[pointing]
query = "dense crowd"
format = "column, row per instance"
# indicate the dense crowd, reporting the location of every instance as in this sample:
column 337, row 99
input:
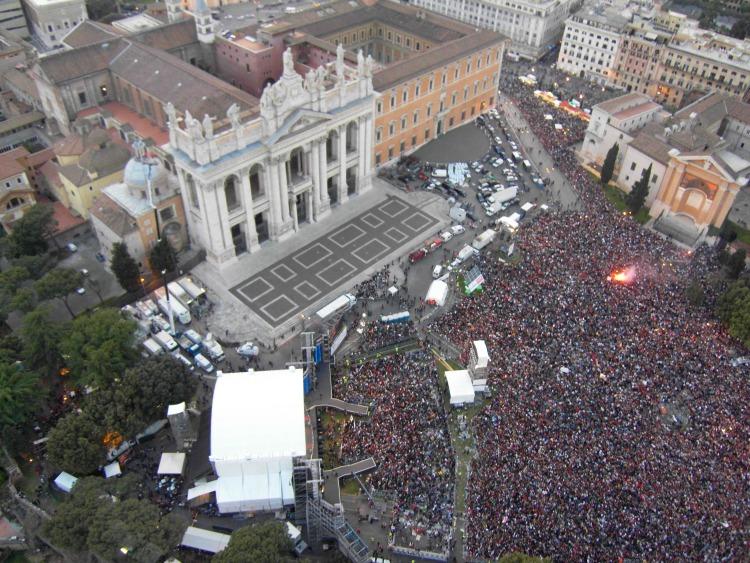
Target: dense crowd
column 376, row 286
column 379, row 335
column 407, row 435
column 617, row 427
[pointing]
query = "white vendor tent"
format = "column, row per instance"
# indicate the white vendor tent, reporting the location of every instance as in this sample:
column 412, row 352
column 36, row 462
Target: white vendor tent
column 437, row 293
column 178, row 408
column 460, row 387
column 65, row 482
column 483, row 356
column 112, row 470
column 205, row 540
column 171, row 463
column 257, row 429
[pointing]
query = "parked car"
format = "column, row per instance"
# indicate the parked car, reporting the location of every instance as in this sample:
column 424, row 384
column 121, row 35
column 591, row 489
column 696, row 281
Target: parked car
column 71, row 247
column 446, row 235
column 457, row 229
column 417, row 255
column 248, row 350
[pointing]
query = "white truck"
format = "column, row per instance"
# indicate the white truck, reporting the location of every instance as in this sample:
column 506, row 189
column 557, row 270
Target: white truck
column 166, row 341
column 192, row 289
column 484, row 239
column 506, row 194
column 152, row 347
column 176, row 290
column 179, row 311
column 466, row 252
column 212, row 348
column 342, row 303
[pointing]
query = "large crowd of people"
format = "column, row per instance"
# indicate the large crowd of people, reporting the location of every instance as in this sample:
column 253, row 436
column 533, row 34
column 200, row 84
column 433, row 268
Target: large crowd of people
column 407, row 436
column 617, row 426
column 379, row 335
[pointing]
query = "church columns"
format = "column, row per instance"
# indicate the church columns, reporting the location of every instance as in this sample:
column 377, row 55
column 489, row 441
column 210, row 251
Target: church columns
column 252, row 233
column 342, row 164
column 311, row 153
column 325, row 201
column 222, row 219
column 362, row 153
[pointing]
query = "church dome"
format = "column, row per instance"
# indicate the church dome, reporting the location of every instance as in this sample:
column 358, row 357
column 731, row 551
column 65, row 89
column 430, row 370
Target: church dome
column 137, row 173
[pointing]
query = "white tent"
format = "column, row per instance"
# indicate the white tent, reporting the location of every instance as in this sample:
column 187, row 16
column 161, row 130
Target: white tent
column 176, row 409
column 437, row 293
column 201, row 489
column 483, row 357
column 460, row 387
column 171, row 463
column 112, row 470
column 205, row 540
column 257, row 429
column 65, row 481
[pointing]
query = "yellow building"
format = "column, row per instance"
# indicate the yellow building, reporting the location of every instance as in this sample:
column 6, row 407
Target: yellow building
column 87, row 164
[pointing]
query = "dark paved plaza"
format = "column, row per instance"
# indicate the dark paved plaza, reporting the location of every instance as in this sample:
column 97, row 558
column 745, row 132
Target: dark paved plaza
column 292, row 284
column 463, row 144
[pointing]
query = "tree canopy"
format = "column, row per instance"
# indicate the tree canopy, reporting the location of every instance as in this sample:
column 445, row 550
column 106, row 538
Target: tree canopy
column 262, row 542
column 125, row 268
column 59, row 283
column 637, row 196
column 733, row 307
column 608, row 167
column 142, row 395
column 30, row 232
column 41, row 339
column 19, row 394
column 75, row 445
column 163, row 257
column 99, row 346
column 135, row 529
column 104, row 516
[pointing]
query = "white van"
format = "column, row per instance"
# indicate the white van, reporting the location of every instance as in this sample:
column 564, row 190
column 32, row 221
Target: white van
column 183, row 359
column 446, row 236
column 527, row 165
column 457, row 230
column 152, row 347
column 166, row 341
column 437, row 271
column 202, row 362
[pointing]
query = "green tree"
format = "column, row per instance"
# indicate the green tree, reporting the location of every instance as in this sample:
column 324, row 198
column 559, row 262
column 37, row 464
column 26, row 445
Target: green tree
column 37, row 265
column 91, row 497
column 59, row 283
column 125, row 268
column 30, row 232
column 608, row 167
column 134, row 528
column 24, row 300
column 142, row 395
column 19, row 394
column 637, row 195
column 10, row 284
column 261, row 542
column 11, row 349
column 99, row 346
column 41, row 339
column 162, row 257
column 733, row 307
column 736, row 263
column 75, row 445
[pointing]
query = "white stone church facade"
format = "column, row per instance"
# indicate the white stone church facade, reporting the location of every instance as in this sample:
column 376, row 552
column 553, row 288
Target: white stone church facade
column 307, row 148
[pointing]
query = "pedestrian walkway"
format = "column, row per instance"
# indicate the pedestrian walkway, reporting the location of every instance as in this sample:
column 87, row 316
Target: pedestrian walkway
column 360, row 410
column 332, row 477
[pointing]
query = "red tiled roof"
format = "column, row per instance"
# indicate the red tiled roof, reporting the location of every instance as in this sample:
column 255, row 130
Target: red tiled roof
column 65, row 219
column 9, row 162
column 122, row 113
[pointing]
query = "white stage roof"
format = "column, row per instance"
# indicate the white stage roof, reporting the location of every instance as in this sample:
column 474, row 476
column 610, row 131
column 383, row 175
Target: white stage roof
column 460, row 387
column 205, row 540
column 176, row 409
column 258, row 414
column 437, row 293
column 171, row 463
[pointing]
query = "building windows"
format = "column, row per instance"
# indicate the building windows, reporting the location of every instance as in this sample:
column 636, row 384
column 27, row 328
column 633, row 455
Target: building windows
column 416, row 90
column 230, row 193
column 167, row 214
column 450, row 122
column 391, row 128
column 426, row 134
column 429, row 110
column 405, row 94
column 466, row 93
column 414, row 141
column 416, row 117
column 393, row 100
column 103, row 90
column 380, row 107
column 402, row 147
column 193, row 192
column 453, row 99
column 82, row 98
column 377, row 159
column 632, row 165
column 403, row 122
column 378, row 134
column 431, row 85
column 390, row 153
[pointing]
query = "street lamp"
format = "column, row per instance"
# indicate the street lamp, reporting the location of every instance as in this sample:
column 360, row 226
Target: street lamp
column 169, row 301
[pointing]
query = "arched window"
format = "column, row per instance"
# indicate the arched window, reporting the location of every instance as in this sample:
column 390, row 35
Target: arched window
column 256, row 183
column 352, row 131
column 15, row 202
column 192, row 192
column 230, row 192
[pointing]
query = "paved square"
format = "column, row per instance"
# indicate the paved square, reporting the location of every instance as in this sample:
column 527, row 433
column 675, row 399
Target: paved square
column 294, row 282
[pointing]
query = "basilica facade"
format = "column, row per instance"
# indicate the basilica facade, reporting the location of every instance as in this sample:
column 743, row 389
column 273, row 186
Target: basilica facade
column 304, row 149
